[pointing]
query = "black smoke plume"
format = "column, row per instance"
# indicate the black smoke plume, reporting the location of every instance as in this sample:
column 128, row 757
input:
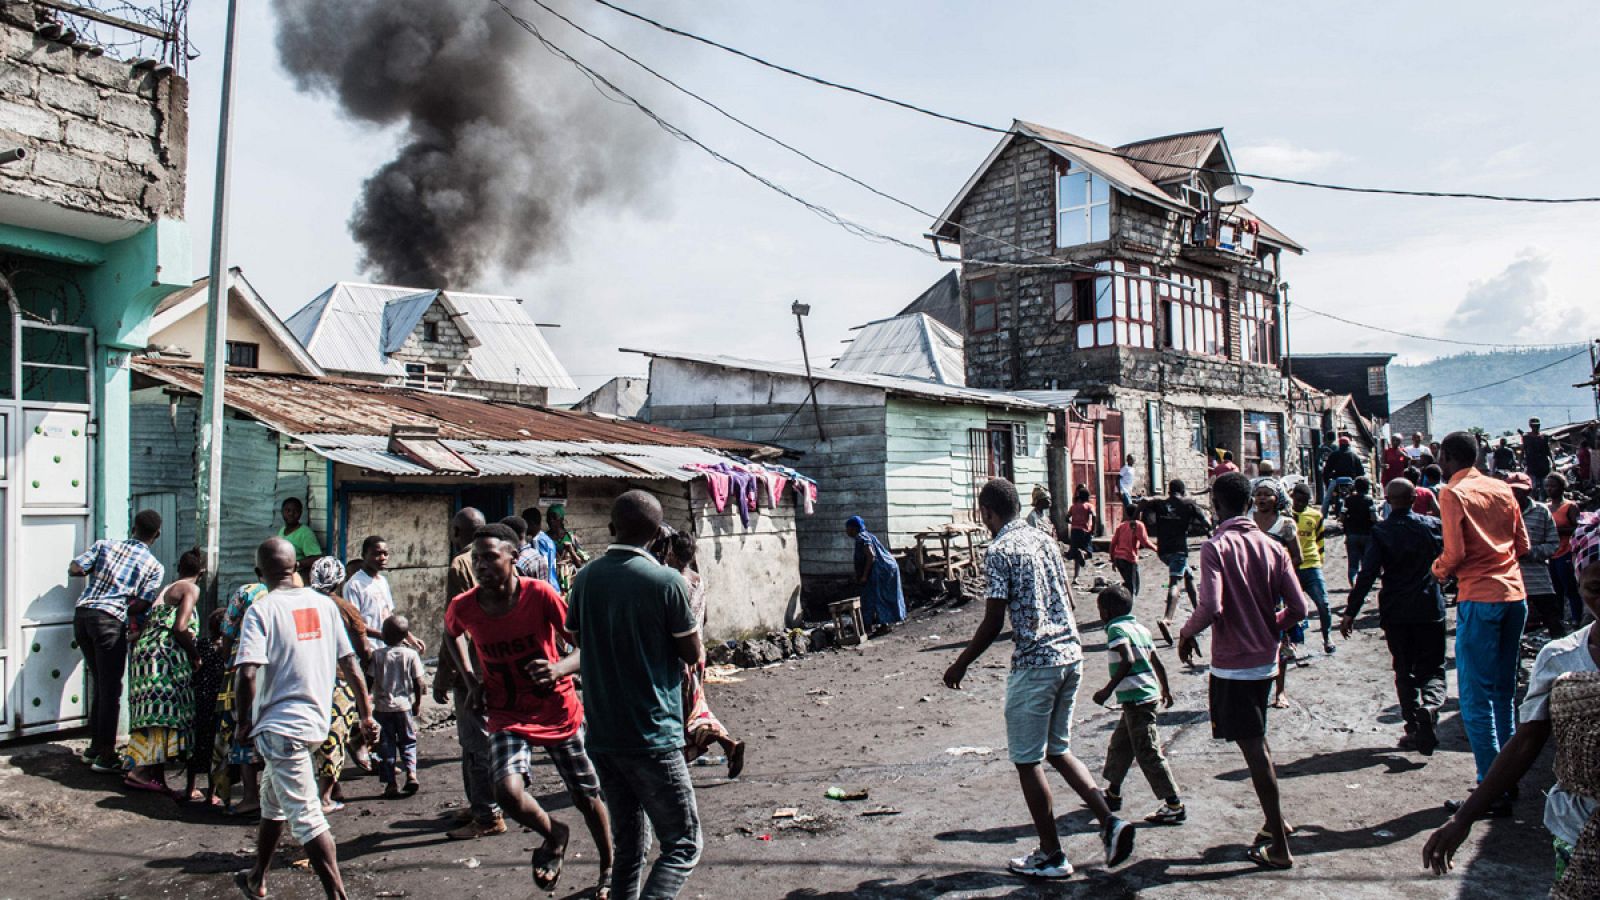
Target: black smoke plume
column 503, row 141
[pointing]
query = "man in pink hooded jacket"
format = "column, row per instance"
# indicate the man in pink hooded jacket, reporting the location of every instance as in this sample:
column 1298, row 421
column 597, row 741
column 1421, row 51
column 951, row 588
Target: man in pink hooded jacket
column 1248, row 596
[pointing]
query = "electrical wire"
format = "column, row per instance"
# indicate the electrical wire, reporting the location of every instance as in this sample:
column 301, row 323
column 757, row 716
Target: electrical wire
column 1424, row 337
column 982, row 126
column 1054, row 262
column 1583, row 352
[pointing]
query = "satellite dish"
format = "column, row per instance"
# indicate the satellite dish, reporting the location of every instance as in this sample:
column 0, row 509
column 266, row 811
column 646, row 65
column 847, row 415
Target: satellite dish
column 1233, row 194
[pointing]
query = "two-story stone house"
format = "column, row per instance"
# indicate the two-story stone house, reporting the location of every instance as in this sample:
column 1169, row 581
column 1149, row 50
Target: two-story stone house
column 1116, row 272
column 481, row 344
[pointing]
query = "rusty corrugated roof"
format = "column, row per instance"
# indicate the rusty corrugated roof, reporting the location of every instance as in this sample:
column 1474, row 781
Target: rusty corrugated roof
column 302, row 405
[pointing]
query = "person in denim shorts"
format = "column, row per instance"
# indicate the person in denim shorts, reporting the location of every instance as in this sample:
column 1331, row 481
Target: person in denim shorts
column 1173, row 516
column 1027, row 578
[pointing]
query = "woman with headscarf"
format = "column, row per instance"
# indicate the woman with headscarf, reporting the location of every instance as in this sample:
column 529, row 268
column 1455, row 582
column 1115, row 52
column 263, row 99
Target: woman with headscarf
column 1563, row 701
column 327, row 575
column 883, row 603
column 701, row 726
column 160, row 687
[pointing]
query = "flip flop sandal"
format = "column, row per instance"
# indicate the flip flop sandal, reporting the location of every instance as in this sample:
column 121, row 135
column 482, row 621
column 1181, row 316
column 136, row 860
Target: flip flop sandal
column 550, row 862
column 241, row 880
column 1258, row 855
column 736, row 760
column 139, row 784
column 1264, row 837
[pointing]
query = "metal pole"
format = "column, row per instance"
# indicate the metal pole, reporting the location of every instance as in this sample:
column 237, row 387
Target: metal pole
column 209, row 478
column 799, row 309
column 1594, row 374
column 1292, row 427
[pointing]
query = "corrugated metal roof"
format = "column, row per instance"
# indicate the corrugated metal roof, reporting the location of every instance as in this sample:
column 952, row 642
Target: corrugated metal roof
column 909, row 387
column 1103, row 160
column 1167, row 158
column 942, row 301
column 300, row 405
column 511, row 349
column 350, row 328
column 522, row 458
column 916, row 346
column 1059, row 399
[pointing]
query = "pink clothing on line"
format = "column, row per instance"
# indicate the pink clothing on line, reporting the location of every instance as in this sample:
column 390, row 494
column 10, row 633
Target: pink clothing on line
column 775, row 486
column 1243, row 575
column 718, row 483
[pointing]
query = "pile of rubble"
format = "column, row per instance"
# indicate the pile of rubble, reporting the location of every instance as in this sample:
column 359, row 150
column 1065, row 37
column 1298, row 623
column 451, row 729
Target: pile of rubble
column 774, row 647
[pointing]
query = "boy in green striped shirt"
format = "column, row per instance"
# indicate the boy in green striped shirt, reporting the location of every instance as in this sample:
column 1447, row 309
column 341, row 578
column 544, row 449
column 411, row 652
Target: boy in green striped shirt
column 1139, row 680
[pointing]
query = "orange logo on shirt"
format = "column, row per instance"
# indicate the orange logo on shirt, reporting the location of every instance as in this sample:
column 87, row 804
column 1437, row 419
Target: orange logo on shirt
column 307, row 624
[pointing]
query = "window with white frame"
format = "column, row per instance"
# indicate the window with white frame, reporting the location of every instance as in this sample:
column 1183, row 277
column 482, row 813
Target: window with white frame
column 1083, row 206
column 1194, row 320
column 1111, row 309
column 1258, row 328
column 431, row 377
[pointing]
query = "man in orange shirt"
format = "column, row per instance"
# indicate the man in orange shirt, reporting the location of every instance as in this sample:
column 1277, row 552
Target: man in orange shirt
column 1483, row 536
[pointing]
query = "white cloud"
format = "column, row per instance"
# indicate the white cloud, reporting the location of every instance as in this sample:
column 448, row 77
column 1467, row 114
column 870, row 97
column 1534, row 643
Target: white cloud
column 1280, row 157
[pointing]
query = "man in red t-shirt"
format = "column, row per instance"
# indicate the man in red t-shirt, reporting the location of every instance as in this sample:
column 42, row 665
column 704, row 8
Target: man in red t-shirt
column 1395, row 460
column 525, row 687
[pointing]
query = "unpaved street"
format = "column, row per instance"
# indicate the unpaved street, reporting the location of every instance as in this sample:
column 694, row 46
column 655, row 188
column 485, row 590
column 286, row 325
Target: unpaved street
column 878, row 719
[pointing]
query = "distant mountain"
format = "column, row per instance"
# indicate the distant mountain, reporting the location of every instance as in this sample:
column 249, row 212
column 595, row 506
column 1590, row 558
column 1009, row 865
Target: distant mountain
column 1548, row 393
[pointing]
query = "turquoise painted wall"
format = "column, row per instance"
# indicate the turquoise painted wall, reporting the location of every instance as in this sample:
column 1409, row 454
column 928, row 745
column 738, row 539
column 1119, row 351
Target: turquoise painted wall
column 123, row 282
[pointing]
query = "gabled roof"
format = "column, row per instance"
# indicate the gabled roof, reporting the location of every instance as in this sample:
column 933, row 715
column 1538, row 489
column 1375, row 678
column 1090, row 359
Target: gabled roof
column 899, row 386
column 1159, row 161
column 179, row 306
column 942, row 301
column 915, row 346
column 355, row 327
column 1173, row 157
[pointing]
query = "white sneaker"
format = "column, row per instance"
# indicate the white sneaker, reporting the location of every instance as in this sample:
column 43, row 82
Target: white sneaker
column 1040, row 864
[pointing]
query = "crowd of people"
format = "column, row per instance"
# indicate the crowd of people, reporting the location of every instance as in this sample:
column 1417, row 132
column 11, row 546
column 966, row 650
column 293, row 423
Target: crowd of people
column 1468, row 519
column 311, row 670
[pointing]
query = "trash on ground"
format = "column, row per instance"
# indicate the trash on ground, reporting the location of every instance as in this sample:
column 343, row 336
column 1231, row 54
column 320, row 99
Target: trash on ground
column 881, row 811
column 838, row 793
column 711, row 761
column 969, row 751
column 470, row 862
column 785, row 812
column 763, row 837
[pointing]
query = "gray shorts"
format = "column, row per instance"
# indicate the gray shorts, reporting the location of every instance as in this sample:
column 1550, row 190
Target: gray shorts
column 1039, row 706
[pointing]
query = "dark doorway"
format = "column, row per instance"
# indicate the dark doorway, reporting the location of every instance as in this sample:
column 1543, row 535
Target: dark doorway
column 495, row 501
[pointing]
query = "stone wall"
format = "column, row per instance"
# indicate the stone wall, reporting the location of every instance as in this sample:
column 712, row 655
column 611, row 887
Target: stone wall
column 102, row 137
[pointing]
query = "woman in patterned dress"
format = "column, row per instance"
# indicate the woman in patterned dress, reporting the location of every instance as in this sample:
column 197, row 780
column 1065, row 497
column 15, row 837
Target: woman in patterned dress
column 160, row 689
column 327, row 575
column 701, row 726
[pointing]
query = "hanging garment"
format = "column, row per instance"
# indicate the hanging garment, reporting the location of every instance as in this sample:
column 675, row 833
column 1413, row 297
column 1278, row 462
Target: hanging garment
column 717, row 485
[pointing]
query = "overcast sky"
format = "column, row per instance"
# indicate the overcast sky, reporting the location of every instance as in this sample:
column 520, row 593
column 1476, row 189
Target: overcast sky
column 1464, row 96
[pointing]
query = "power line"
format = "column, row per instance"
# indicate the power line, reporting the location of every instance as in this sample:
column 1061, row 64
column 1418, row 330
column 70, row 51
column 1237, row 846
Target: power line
column 1055, row 262
column 982, row 126
column 1424, row 337
column 1583, row 352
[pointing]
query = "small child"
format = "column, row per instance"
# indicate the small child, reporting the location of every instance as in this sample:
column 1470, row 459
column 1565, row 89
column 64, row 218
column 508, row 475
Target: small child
column 208, row 675
column 1139, row 680
column 1126, row 542
column 398, row 687
column 1308, row 524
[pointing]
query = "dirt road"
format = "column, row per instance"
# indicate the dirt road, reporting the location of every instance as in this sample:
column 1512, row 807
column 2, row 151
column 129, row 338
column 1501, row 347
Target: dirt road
column 875, row 718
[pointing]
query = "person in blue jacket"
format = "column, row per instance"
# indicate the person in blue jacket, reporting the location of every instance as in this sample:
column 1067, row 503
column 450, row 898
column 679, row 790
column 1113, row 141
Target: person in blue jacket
column 883, row 603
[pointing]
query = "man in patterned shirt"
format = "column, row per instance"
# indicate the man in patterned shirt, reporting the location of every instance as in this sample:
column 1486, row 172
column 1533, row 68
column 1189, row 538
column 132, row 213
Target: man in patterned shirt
column 1028, row 578
column 123, row 577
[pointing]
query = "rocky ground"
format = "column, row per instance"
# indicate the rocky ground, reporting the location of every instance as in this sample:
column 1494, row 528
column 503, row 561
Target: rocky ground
column 875, row 718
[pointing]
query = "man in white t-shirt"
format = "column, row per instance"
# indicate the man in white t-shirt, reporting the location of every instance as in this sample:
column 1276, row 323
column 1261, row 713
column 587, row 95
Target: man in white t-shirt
column 292, row 646
column 368, row 591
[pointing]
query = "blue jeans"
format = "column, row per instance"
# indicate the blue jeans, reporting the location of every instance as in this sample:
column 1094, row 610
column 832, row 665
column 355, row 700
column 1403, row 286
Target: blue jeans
column 1488, row 636
column 1311, row 582
column 1355, row 547
column 644, row 792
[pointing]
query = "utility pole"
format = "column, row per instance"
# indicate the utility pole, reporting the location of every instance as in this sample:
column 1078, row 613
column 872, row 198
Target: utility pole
column 1594, row 375
column 212, row 417
column 801, row 310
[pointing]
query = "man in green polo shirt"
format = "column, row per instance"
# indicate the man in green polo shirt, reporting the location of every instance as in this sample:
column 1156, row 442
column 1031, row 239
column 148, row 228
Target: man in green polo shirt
column 300, row 535
column 630, row 615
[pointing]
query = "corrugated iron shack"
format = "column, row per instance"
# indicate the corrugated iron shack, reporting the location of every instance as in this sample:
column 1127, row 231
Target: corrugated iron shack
column 334, row 444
